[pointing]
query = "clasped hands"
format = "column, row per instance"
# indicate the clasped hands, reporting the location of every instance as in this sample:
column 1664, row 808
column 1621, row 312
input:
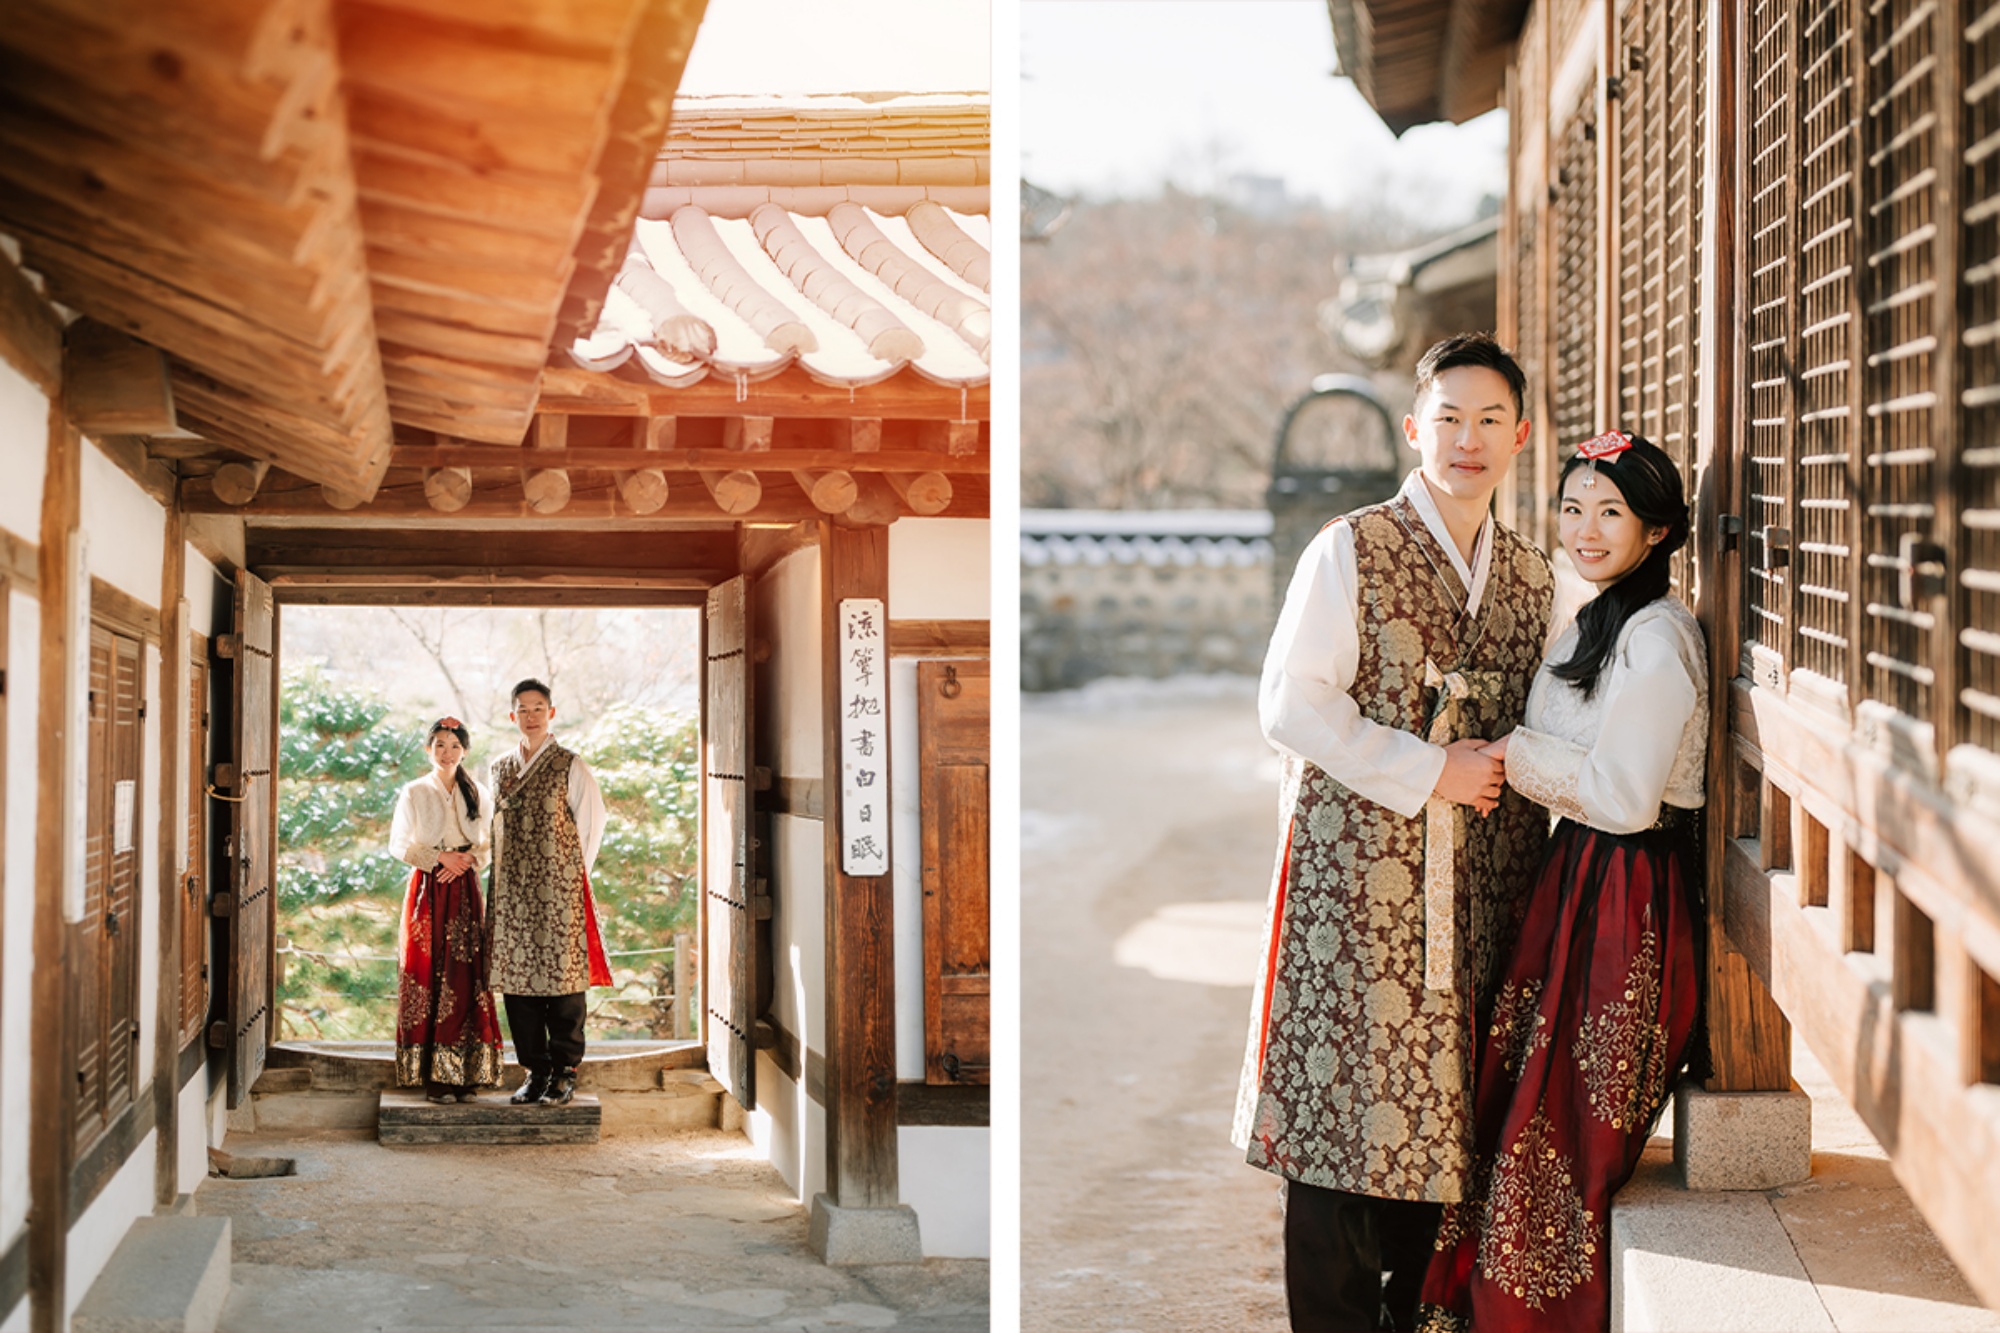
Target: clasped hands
column 1474, row 771
column 453, row 864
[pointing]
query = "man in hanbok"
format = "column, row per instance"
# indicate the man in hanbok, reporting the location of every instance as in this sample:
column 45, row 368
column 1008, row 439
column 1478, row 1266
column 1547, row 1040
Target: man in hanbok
column 1408, row 639
column 545, row 946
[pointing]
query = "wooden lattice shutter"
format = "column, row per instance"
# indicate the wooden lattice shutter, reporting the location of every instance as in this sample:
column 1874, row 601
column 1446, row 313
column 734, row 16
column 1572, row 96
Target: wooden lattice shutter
column 1974, row 603
column 1523, row 318
column 1770, row 274
column 1900, row 222
column 954, row 729
column 105, row 943
column 251, row 848
column 1660, row 165
column 1574, row 301
column 194, row 880
column 728, row 943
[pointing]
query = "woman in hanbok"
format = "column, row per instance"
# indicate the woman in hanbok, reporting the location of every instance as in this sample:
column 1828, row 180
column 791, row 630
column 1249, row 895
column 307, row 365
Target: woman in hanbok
column 1597, row 1008
column 447, row 1034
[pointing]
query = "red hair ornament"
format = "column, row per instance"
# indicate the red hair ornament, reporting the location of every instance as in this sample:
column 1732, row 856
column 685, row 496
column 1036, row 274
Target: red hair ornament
column 1604, row 448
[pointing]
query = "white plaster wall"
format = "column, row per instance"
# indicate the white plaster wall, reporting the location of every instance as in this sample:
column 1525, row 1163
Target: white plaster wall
column 788, row 597
column 940, row 569
column 17, row 1320
column 24, row 451
column 945, row 1173
column 127, row 529
column 199, row 581
column 96, row 1234
column 24, row 630
column 789, row 1129
column 798, row 928
column 192, row 1119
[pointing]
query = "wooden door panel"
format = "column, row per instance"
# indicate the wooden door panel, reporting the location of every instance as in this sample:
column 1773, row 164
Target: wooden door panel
column 252, row 864
column 728, row 946
column 194, row 877
column 954, row 709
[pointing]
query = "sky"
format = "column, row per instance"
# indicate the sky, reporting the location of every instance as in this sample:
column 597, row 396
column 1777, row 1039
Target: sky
column 1118, row 96
column 841, row 46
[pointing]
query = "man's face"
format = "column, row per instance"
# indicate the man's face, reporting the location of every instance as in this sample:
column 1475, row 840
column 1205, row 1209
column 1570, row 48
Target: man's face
column 532, row 714
column 1467, row 431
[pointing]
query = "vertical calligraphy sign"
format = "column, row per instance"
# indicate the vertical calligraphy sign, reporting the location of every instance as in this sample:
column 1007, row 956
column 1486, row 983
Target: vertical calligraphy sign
column 864, row 738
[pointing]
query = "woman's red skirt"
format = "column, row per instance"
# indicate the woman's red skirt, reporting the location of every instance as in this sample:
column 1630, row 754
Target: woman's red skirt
column 1594, row 1017
column 446, row 1029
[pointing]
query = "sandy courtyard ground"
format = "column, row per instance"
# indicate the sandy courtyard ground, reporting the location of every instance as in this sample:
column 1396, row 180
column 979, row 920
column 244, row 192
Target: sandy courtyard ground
column 1148, row 825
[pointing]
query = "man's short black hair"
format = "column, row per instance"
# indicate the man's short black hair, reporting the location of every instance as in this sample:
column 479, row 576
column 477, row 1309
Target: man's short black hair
column 1473, row 349
column 527, row 686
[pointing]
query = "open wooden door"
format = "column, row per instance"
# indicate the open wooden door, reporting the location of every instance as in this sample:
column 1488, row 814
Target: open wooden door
column 247, row 784
column 729, row 986
column 954, row 711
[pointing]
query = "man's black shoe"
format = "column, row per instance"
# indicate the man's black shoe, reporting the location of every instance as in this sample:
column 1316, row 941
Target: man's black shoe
column 562, row 1087
column 534, row 1090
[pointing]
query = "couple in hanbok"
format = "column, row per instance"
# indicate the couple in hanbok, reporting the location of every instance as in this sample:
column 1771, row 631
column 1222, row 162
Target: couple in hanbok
column 1466, row 1024
column 535, row 938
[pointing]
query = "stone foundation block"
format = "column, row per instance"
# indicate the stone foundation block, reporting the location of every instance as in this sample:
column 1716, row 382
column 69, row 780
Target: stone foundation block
column 845, row 1236
column 1742, row 1140
column 169, row 1275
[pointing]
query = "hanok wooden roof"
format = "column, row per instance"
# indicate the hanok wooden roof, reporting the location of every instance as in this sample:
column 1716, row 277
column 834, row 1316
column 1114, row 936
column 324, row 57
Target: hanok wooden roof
column 333, row 218
column 1418, row 61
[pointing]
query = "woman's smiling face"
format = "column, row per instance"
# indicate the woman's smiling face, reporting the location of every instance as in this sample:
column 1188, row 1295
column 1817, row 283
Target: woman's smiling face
column 1603, row 536
column 445, row 751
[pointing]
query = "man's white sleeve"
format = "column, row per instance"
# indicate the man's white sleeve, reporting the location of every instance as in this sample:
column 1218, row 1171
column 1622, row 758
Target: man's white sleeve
column 586, row 806
column 1303, row 700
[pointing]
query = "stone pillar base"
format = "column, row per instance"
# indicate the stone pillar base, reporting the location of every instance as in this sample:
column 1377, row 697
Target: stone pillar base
column 844, row 1236
column 1742, row 1140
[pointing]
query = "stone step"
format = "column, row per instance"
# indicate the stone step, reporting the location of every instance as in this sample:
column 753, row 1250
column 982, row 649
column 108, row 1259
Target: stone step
column 168, row 1275
column 405, row 1117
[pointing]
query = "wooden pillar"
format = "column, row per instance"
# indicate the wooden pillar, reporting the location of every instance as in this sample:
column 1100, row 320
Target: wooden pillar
column 860, row 955
column 1749, row 1038
column 51, row 1144
column 173, row 830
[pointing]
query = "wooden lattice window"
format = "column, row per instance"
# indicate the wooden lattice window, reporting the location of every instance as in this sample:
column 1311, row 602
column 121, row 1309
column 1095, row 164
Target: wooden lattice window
column 954, row 711
column 1661, row 134
column 1771, row 278
column 1900, row 226
column 1574, row 302
column 1976, row 599
column 104, row 972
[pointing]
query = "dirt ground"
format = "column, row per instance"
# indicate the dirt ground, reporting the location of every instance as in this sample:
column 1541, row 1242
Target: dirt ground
column 1148, row 826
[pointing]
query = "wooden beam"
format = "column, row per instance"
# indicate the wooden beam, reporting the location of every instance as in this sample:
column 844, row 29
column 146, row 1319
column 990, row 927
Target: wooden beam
column 686, row 460
column 959, row 438
column 644, row 491
column 861, row 1167
column 464, row 596
column 51, row 1142
column 874, row 503
column 491, row 578
column 547, row 490
column 789, row 393
column 131, row 456
column 113, row 384
column 758, row 549
column 926, row 493
column 831, row 492
column 747, row 434
column 940, row 638
column 448, row 489
column 736, row 492
column 31, row 337
column 236, row 482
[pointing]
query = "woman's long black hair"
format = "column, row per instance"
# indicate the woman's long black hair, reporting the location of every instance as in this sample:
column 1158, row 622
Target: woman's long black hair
column 465, row 787
column 1651, row 486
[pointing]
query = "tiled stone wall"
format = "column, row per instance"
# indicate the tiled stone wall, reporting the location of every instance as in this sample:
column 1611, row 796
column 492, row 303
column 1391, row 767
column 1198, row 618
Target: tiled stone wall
column 1142, row 594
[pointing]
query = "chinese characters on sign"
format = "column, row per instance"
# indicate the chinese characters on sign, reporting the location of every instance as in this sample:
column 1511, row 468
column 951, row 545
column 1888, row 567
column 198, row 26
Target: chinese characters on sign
column 864, row 738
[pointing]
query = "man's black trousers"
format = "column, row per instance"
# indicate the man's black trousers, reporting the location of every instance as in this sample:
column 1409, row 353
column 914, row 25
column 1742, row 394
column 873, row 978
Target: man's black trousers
column 1338, row 1249
column 547, row 1030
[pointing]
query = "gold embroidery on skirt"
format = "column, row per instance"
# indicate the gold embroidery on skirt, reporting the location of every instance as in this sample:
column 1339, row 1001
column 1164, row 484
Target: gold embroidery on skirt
column 1519, row 1027
column 1621, row 1052
column 1540, row 1240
